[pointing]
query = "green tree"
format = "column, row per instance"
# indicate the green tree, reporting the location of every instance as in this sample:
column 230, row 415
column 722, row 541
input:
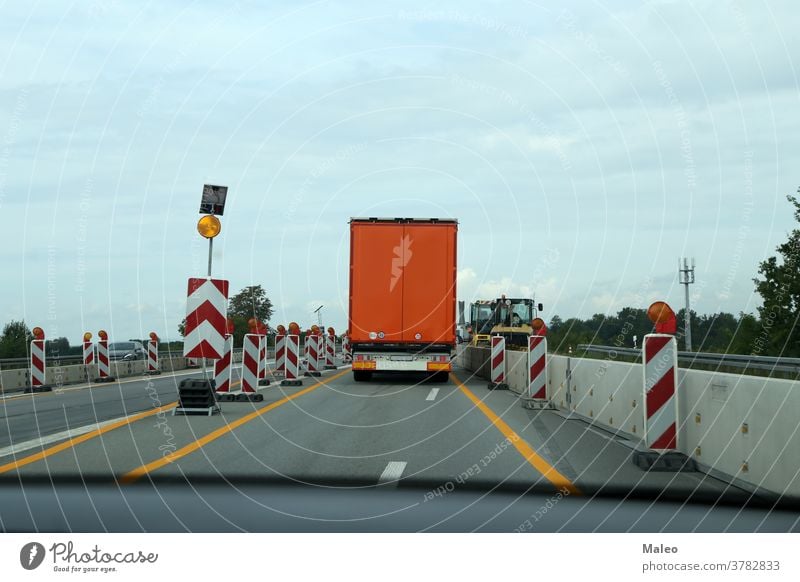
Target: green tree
column 555, row 324
column 747, row 330
column 251, row 302
column 779, row 288
column 15, row 340
column 58, row 347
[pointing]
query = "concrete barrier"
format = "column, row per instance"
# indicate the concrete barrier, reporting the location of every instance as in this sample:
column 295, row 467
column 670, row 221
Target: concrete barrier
column 742, row 428
column 16, row 380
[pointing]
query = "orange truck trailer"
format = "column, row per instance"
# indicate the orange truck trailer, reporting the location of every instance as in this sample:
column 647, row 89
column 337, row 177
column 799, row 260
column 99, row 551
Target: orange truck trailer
column 402, row 295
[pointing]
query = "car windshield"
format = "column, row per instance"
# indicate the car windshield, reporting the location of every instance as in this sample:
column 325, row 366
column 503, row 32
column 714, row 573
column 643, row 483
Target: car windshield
column 330, row 231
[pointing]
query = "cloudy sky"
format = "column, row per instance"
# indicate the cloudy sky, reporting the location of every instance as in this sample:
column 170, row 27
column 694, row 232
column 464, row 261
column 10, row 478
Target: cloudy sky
column 583, row 149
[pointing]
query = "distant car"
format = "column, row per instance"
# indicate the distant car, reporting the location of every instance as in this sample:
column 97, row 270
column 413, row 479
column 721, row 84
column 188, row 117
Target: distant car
column 126, row 351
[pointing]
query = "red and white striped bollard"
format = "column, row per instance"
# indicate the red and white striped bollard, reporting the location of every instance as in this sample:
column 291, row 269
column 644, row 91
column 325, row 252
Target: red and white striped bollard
column 535, row 395
column 251, row 364
column 330, row 352
column 497, row 363
column 38, row 370
column 103, row 366
column 280, row 354
column 152, row 357
column 660, row 357
column 313, row 359
column 292, row 368
column 262, row 361
column 223, row 368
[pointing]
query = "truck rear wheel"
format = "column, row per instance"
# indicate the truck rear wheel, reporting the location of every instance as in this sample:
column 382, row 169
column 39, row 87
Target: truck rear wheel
column 362, row 375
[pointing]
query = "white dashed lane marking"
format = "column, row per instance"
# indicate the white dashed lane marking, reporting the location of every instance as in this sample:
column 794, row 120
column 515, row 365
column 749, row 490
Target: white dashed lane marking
column 392, row 472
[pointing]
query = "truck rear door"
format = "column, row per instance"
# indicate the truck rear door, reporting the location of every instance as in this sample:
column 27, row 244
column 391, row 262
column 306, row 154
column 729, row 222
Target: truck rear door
column 376, row 297
column 428, row 277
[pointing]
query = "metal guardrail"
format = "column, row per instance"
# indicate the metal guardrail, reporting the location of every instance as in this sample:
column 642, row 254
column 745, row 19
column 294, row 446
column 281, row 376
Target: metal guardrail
column 752, row 362
column 16, row 363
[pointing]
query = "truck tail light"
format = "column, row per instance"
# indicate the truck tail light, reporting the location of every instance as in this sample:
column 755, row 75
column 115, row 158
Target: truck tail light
column 439, row 367
column 364, row 364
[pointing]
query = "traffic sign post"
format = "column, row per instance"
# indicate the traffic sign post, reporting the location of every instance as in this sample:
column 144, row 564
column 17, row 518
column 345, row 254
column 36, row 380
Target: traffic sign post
column 206, row 309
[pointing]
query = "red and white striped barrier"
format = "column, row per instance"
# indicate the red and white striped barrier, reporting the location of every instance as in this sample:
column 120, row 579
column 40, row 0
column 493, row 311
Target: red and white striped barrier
column 152, row 357
column 330, row 352
column 251, row 364
column 313, row 356
column 103, row 367
column 537, row 368
column 347, row 354
column 88, row 353
column 223, row 368
column 206, row 322
column 498, row 363
column 37, row 364
column 262, row 361
column 292, row 367
column 660, row 356
column 280, row 354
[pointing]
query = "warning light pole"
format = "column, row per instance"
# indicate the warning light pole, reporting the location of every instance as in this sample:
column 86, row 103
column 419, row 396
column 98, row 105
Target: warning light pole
column 686, row 278
column 209, row 226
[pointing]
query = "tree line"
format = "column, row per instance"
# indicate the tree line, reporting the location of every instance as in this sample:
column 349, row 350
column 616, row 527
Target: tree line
column 718, row 332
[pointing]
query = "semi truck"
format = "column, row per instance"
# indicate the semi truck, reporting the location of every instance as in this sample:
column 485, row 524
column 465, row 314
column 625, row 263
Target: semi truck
column 402, row 296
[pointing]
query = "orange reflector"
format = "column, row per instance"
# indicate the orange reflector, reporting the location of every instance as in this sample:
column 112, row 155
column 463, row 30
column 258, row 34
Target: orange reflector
column 439, row 366
column 365, row 365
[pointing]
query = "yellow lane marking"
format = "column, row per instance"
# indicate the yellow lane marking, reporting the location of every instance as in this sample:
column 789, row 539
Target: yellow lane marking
column 546, row 469
column 68, row 444
column 80, row 439
column 143, row 470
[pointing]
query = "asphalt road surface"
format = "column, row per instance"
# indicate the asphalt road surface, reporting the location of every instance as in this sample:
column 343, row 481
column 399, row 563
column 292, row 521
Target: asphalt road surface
column 386, row 431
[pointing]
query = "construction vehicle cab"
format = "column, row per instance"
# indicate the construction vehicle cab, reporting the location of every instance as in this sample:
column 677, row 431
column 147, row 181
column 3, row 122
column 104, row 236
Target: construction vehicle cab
column 507, row 317
column 481, row 321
